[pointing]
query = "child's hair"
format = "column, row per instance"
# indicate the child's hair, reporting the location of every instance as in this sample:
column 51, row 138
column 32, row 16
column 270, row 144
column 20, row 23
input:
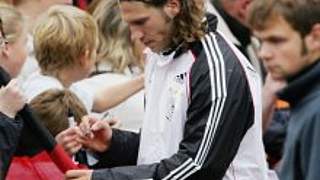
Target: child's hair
column 54, row 107
column 115, row 45
column 62, row 35
column 12, row 22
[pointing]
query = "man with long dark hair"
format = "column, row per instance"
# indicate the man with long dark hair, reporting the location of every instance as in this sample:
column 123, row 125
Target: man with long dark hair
column 203, row 109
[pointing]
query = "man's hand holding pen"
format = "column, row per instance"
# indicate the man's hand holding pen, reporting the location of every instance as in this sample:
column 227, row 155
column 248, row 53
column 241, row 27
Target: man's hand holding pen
column 97, row 134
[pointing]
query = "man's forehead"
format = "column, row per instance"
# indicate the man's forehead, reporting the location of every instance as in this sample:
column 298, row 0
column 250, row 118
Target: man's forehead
column 153, row 2
column 133, row 6
column 134, row 10
column 272, row 23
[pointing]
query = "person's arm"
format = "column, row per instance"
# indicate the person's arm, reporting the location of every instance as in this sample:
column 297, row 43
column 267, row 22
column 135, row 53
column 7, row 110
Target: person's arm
column 219, row 114
column 269, row 98
column 123, row 150
column 10, row 130
column 310, row 157
column 113, row 147
column 11, row 101
column 111, row 96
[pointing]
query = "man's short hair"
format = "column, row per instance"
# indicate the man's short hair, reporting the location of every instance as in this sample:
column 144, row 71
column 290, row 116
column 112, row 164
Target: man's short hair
column 62, row 36
column 188, row 24
column 300, row 14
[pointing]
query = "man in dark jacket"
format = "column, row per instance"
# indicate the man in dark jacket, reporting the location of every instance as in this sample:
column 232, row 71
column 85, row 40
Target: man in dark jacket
column 11, row 101
column 203, row 106
column 289, row 31
column 232, row 15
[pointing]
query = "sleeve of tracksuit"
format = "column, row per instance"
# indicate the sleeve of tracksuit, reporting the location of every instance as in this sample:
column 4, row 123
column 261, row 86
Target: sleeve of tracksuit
column 310, row 157
column 219, row 114
column 122, row 152
column 9, row 135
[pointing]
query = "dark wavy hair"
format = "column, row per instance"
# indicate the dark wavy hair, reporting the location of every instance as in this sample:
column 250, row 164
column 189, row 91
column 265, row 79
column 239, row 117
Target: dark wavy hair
column 188, row 24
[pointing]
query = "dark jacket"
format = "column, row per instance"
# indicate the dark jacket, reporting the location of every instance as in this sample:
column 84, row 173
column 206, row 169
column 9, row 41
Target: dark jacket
column 9, row 135
column 301, row 159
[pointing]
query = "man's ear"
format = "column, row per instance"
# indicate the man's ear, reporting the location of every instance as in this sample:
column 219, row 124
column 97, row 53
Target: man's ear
column 244, row 4
column 313, row 38
column 244, row 8
column 172, row 8
column 5, row 52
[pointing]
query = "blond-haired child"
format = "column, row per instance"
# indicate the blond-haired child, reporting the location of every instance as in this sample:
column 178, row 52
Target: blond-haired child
column 65, row 41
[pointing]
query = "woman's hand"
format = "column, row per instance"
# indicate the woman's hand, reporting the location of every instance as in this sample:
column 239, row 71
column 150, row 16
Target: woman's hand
column 11, row 99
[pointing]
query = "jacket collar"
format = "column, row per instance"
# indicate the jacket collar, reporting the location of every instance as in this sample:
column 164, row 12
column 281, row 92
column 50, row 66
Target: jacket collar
column 211, row 22
column 302, row 85
column 242, row 33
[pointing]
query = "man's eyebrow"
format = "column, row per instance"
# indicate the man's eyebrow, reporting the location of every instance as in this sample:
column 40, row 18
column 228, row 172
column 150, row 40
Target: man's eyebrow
column 139, row 20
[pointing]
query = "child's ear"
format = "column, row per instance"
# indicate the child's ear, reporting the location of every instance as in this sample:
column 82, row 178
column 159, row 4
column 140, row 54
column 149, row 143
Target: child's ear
column 85, row 58
column 5, row 52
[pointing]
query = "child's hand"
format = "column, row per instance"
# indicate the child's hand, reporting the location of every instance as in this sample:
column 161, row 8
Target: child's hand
column 11, row 99
column 68, row 139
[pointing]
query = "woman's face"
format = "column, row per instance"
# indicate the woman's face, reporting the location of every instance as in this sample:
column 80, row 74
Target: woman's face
column 16, row 54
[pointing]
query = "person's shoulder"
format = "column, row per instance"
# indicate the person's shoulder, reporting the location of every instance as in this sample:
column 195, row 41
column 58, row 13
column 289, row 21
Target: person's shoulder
column 3, row 117
column 215, row 47
column 310, row 117
column 38, row 83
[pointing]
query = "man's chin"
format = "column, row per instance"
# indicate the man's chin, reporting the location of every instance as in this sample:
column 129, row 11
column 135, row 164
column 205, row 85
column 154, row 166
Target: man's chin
column 277, row 76
column 154, row 49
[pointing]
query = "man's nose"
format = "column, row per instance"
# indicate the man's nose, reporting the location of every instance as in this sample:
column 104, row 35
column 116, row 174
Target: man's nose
column 136, row 33
column 265, row 52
